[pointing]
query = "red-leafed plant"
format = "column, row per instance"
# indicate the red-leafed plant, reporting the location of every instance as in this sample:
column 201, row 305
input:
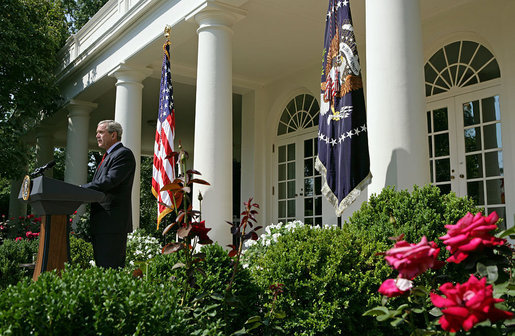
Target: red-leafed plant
column 245, row 230
column 189, row 227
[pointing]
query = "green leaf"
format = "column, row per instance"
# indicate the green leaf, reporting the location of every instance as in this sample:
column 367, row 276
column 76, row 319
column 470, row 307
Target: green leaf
column 279, row 314
column 481, row 269
column 435, row 312
column 253, row 319
column 376, row 311
column 492, row 273
column 508, row 232
column 397, row 322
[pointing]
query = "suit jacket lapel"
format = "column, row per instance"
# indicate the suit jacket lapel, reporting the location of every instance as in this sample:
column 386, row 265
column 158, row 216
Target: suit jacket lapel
column 106, row 160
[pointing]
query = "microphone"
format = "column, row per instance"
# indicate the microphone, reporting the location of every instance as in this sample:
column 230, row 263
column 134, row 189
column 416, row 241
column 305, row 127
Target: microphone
column 39, row 171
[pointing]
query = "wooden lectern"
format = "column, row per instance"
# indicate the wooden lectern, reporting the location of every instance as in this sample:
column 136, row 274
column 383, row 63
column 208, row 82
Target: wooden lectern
column 54, row 201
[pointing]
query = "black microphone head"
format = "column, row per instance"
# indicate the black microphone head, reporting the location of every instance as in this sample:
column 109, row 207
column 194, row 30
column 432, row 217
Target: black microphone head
column 50, row 164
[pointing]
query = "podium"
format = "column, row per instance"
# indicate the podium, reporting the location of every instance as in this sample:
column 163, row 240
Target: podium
column 54, row 201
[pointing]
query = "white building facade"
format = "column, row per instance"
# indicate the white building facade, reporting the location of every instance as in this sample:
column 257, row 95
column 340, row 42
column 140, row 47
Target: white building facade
column 439, row 85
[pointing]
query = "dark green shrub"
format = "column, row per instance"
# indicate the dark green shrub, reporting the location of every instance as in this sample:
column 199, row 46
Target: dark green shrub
column 81, row 252
column 329, row 276
column 217, row 267
column 91, row 302
column 12, row 254
column 421, row 212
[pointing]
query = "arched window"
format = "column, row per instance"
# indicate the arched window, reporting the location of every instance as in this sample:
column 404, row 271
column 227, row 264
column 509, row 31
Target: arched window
column 464, row 129
column 297, row 190
column 459, row 64
column 300, row 113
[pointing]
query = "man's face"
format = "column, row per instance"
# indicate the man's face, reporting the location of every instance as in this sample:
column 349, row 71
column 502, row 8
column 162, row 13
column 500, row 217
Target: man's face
column 104, row 138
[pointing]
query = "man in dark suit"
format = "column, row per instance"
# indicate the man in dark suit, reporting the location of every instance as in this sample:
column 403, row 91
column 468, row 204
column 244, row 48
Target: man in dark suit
column 111, row 219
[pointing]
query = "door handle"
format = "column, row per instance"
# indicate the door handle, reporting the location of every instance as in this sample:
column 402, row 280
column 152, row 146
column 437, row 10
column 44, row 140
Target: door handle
column 462, row 176
column 452, row 177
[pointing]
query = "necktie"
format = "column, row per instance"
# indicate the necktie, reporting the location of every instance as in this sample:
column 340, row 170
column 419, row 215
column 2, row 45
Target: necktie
column 103, row 157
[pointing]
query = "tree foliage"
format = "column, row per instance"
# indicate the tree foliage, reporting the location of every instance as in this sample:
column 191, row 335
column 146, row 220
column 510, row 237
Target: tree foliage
column 80, row 11
column 31, row 34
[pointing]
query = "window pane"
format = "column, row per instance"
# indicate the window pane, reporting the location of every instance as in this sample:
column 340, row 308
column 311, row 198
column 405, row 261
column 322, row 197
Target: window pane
column 318, row 185
column 308, row 167
column 282, row 172
column 443, row 169
column 501, row 212
column 476, row 192
column 444, row 188
column 318, row 206
column 291, row 189
column 494, row 165
column 282, row 190
column 308, row 206
column 431, row 171
column 308, row 148
column 492, row 136
column 491, row 109
column 440, row 120
column 291, row 208
column 291, row 152
column 495, row 191
column 474, row 166
column 471, row 113
column 428, row 114
column 430, row 142
column 309, row 186
column 291, row 170
column 282, row 153
column 318, row 221
column 472, row 139
column 442, row 144
column 282, row 208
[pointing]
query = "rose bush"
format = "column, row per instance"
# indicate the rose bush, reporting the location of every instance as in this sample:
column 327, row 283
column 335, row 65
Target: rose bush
column 467, row 304
column 471, row 233
column 411, row 260
column 464, row 305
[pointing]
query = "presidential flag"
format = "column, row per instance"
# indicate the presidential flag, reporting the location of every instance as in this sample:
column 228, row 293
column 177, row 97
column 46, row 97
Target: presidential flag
column 343, row 159
column 164, row 162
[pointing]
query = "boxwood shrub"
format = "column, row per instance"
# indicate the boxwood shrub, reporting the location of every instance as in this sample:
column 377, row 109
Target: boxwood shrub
column 90, row 302
column 12, row 254
column 217, row 267
column 331, row 276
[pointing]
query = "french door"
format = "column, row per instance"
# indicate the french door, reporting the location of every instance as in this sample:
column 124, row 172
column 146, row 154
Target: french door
column 466, row 148
column 298, row 187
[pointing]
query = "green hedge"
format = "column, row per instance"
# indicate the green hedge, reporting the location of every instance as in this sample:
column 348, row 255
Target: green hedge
column 12, row 254
column 90, row 302
column 217, row 267
column 331, row 276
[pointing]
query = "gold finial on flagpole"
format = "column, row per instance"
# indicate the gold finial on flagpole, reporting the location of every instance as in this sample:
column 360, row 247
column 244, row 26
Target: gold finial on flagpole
column 168, row 30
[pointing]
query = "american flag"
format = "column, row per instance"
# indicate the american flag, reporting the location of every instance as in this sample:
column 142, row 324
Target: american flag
column 164, row 164
column 342, row 159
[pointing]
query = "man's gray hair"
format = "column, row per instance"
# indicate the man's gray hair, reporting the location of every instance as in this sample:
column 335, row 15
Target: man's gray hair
column 113, row 126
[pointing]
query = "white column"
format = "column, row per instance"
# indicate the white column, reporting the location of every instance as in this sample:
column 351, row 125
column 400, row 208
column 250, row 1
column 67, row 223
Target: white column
column 395, row 95
column 76, row 164
column 213, row 116
column 129, row 93
column 76, row 169
column 45, row 149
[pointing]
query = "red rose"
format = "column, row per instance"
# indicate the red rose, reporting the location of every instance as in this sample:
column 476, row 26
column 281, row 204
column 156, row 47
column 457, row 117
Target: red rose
column 18, row 238
column 471, row 233
column 395, row 287
column 413, row 259
column 467, row 304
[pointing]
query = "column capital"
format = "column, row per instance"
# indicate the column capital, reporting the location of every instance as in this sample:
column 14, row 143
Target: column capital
column 216, row 13
column 77, row 108
column 130, row 74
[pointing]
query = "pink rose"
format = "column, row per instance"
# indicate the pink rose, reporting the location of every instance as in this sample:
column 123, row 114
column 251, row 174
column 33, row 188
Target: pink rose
column 18, row 238
column 413, row 259
column 471, row 233
column 467, row 304
column 395, row 287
